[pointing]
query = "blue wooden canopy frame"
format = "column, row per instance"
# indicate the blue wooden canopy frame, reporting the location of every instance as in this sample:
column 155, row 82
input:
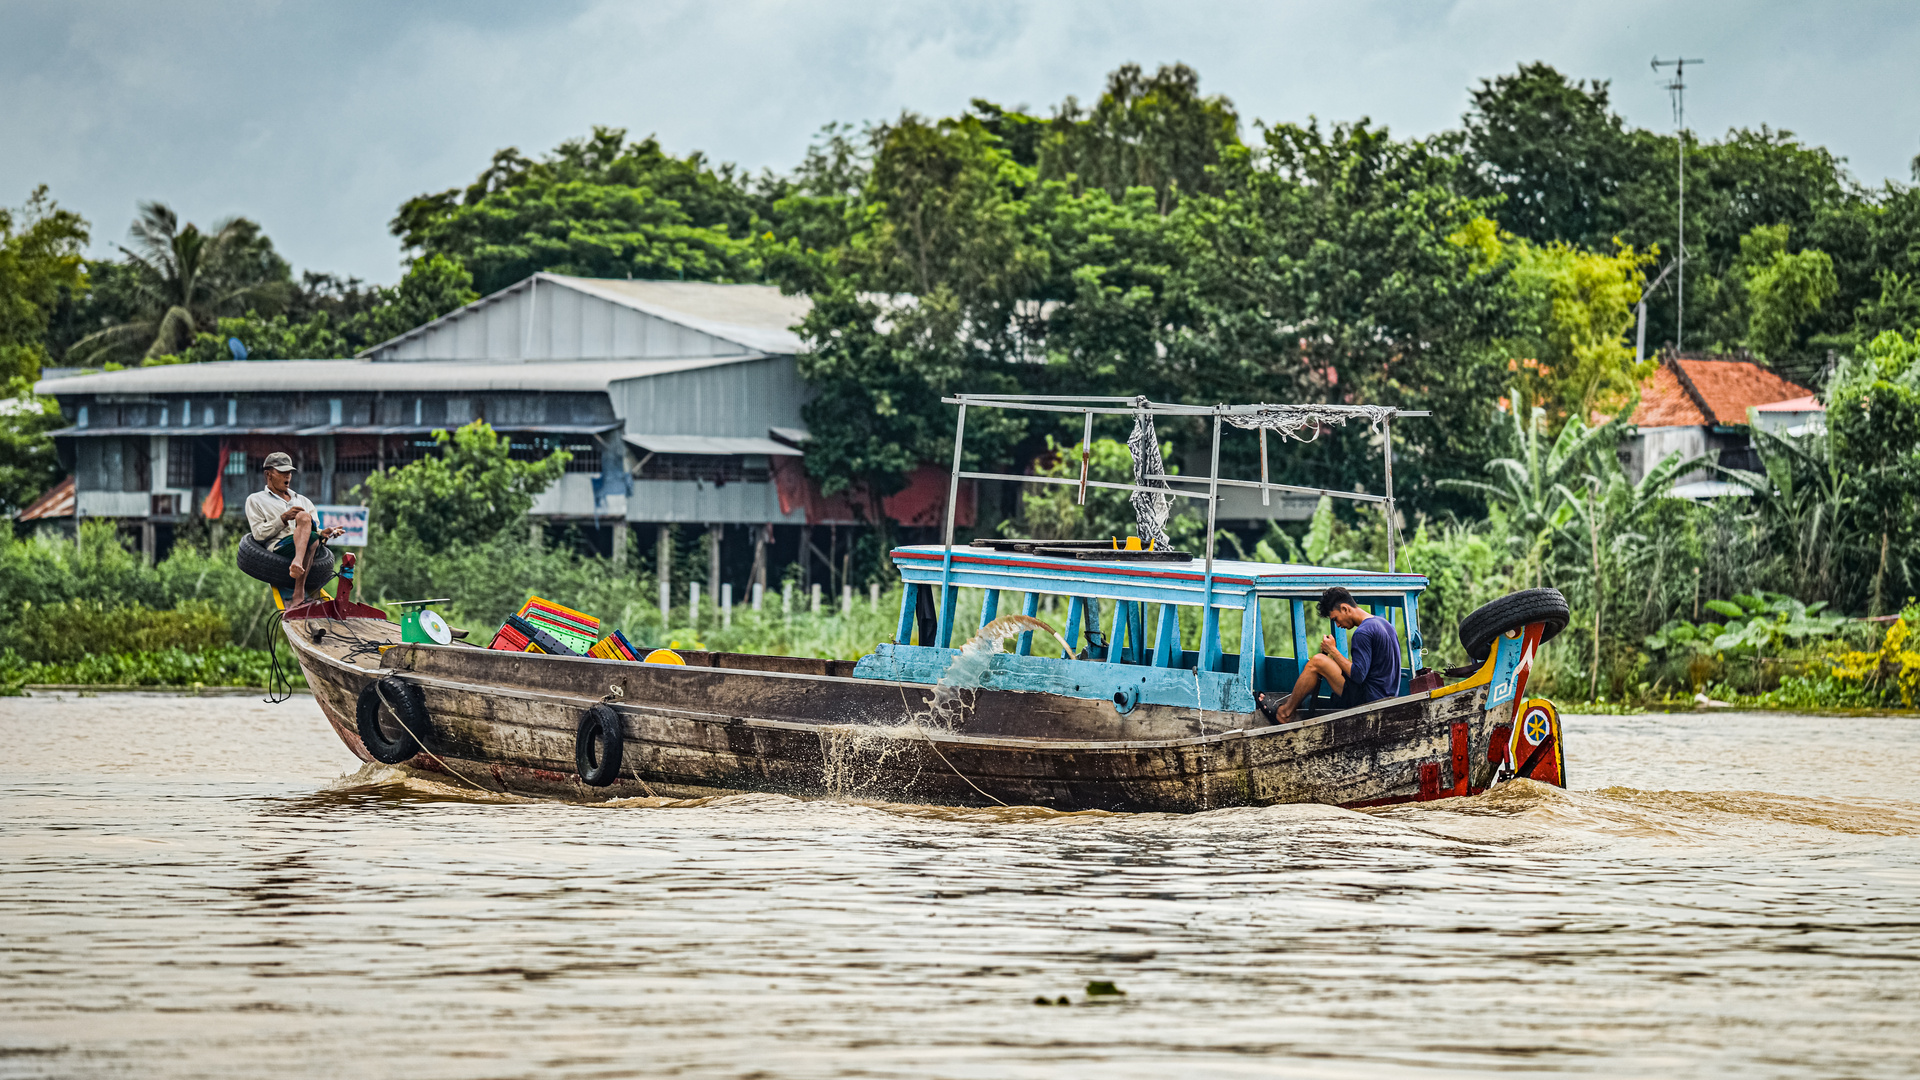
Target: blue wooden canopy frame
column 1134, row 664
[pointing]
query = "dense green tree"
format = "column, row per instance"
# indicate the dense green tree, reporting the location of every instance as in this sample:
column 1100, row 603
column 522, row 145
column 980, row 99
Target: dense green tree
column 1555, row 152
column 1325, row 272
column 264, row 338
column 40, row 248
column 1874, row 413
column 433, row 286
column 597, row 207
column 1154, row 131
column 466, row 495
column 917, row 304
column 1783, row 290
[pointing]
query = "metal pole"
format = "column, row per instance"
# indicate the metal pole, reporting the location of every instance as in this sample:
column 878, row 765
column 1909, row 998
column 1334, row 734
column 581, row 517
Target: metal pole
column 1386, row 430
column 1213, row 510
column 953, row 505
column 1086, row 445
column 1680, row 276
column 1266, row 494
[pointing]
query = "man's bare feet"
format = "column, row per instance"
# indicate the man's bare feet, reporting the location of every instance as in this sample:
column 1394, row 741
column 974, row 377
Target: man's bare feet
column 1276, row 707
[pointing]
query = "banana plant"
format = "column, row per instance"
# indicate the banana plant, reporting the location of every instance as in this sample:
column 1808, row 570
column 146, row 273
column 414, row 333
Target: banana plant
column 1764, row 622
column 1805, row 494
column 1531, row 487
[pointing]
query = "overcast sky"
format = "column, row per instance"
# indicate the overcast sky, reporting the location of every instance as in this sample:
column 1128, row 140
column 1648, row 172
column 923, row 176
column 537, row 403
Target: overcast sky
column 319, row 119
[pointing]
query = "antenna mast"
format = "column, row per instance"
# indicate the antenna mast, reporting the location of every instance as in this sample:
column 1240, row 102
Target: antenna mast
column 1677, row 91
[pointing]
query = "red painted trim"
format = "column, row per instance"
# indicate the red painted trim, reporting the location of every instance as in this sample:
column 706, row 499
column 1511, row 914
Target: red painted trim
column 1429, row 781
column 1074, row 564
column 1460, row 775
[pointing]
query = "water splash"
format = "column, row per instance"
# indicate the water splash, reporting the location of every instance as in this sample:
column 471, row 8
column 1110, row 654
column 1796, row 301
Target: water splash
column 852, row 755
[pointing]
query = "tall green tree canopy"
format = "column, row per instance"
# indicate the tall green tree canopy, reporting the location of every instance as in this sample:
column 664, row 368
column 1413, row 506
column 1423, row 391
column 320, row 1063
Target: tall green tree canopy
column 40, row 248
column 597, row 207
column 1555, row 153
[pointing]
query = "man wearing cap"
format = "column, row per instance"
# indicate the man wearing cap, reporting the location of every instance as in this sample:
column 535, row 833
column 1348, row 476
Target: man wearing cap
column 282, row 520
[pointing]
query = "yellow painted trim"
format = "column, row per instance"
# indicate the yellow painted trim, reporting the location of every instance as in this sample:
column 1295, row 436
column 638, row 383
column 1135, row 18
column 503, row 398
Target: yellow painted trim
column 1479, row 678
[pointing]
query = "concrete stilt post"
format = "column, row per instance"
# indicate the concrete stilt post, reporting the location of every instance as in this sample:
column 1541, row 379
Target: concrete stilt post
column 713, row 560
column 663, row 567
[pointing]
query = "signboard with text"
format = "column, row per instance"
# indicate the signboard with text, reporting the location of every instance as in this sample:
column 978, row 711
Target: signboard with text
column 351, row 518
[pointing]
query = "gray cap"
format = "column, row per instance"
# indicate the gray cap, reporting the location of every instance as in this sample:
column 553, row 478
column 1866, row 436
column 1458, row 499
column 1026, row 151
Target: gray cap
column 279, row 461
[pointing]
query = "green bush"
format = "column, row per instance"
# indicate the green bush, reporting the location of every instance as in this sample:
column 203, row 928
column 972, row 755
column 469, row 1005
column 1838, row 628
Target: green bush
column 222, row 666
column 61, row 600
column 77, row 629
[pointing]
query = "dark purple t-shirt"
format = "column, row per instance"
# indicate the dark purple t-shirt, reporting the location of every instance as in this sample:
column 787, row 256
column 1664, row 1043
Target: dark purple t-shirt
column 1375, row 652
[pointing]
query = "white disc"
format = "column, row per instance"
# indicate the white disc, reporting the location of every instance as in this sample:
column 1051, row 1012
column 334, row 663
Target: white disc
column 436, row 627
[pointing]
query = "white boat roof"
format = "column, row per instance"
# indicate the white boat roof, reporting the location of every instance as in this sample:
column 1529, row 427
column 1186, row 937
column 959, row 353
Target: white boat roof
column 986, row 568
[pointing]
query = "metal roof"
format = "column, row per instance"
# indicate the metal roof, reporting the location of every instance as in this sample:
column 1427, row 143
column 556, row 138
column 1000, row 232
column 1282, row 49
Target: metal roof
column 55, row 503
column 717, row 445
column 754, row 317
column 328, row 429
column 289, row 376
column 758, row 316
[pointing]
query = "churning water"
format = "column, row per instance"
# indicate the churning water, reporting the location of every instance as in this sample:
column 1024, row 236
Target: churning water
column 214, row 888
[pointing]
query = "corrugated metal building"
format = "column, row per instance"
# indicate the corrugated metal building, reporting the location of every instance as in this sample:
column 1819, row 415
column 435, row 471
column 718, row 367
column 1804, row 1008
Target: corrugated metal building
column 678, row 400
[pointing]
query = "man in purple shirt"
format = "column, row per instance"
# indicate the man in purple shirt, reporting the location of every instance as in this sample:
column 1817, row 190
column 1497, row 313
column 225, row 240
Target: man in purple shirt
column 1371, row 673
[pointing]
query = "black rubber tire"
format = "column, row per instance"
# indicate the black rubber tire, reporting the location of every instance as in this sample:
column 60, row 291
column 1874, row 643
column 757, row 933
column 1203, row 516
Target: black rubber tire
column 597, row 746
column 1479, row 630
column 256, row 561
column 406, row 702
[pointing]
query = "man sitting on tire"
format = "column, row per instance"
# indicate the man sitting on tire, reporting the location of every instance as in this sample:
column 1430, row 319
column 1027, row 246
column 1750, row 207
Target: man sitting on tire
column 282, row 520
column 1371, row 673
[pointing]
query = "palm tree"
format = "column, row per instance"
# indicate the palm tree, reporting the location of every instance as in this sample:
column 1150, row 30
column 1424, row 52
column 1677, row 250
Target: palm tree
column 185, row 279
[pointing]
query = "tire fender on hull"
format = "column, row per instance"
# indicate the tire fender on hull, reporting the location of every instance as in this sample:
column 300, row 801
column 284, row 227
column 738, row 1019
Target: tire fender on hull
column 408, row 708
column 597, row 746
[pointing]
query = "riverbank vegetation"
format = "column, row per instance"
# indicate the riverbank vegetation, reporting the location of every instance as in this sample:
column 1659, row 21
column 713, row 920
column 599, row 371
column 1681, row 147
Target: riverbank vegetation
column 1154, row 242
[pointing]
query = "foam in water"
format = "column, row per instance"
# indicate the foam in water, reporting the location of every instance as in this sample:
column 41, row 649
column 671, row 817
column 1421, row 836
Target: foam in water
column 852, row 754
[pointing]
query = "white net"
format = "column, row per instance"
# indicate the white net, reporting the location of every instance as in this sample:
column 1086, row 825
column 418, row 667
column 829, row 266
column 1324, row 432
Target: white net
column 1150, row 507
column 1290, row 421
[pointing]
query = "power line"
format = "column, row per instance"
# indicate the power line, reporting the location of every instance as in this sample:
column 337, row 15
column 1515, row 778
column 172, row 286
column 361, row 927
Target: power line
column 1677, row 92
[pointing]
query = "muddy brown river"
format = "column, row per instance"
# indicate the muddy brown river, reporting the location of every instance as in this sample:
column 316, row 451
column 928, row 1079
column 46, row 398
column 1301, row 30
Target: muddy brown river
column 216, row 888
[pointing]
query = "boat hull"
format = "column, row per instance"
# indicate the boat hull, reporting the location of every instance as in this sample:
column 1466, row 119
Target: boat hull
column 508, row 722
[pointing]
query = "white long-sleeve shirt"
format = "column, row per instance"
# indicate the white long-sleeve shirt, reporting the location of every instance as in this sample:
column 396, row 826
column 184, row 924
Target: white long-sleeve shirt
column 263, row 514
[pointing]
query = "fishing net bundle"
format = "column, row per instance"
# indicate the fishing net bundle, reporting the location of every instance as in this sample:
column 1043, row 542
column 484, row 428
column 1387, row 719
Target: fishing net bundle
column 1150, row 507
column 1290, row 420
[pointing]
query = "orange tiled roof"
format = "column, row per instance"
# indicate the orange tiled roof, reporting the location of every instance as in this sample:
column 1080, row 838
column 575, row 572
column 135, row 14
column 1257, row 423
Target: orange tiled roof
column 1685, row 391
column 1665, row 403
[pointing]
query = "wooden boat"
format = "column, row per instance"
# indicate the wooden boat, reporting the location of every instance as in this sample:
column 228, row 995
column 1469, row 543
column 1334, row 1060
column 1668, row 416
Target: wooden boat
column 1129, row 721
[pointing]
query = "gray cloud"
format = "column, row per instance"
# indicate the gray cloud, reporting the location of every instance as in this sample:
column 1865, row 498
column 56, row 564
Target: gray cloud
column 319, row 119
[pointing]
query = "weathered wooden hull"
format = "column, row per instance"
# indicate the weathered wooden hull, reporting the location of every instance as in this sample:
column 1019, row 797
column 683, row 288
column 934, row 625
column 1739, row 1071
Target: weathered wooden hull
column 508, row 722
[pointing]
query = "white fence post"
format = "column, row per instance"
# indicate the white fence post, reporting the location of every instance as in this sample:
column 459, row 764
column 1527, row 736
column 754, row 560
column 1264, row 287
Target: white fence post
column 693, row 603
column 816, row 598
column 786, row 598
column 726, row 606
column 873, row 596
column 846, row 599
column 759, row 592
